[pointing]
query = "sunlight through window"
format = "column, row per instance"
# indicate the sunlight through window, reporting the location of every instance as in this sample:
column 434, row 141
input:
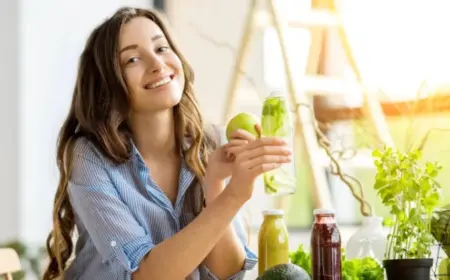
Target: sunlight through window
column 397, row 44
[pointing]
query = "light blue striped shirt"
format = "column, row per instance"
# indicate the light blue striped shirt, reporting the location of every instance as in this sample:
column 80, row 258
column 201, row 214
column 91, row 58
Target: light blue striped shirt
column 121, row 214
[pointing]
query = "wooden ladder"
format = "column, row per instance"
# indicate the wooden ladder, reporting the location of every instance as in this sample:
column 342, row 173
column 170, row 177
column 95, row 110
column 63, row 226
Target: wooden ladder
column 300, row 88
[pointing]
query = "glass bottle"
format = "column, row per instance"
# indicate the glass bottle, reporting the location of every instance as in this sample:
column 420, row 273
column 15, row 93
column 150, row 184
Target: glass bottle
column 273, row 240
column 366, row 250
column 276, row 121
column 325, row 246
column 371, row 231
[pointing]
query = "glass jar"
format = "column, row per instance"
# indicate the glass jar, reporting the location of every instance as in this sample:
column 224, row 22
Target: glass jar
column 276, row 121
column 372, row 234
column 273, row 240
column 325, row 246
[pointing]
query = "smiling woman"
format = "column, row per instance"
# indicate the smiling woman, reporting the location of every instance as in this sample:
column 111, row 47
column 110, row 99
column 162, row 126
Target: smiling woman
column 165, row 73
column 141, row 179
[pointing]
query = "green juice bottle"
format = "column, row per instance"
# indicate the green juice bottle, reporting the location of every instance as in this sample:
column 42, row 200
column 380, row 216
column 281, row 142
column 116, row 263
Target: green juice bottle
column 273, row 241
column 276, row 121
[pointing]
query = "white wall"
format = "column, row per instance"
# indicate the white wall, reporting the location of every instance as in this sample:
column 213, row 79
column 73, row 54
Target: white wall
column 222, row 21
column 9, row 147
column 41, row 42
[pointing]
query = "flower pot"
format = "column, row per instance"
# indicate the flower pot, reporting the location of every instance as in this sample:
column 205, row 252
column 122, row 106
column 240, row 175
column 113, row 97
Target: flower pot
column 408, row 269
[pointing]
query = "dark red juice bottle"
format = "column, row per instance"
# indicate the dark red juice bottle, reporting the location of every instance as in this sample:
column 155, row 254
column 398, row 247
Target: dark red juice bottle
column 325, row 246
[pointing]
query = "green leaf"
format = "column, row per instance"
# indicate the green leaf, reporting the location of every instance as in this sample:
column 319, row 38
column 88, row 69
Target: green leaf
column 388, row 197
column 377, row 153
column 388, row 222
column 401, row 215
column 379, row 184
column 431, row 200
column 302, row 259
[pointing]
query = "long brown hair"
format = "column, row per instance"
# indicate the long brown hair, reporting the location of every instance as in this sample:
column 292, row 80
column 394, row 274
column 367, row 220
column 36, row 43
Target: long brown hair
column 99, row 110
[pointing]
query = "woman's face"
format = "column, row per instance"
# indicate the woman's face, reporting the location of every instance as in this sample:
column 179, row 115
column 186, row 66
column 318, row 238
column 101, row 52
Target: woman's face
column 151, row 69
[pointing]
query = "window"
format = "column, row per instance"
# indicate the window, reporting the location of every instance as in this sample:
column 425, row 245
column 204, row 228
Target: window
column 397, row 45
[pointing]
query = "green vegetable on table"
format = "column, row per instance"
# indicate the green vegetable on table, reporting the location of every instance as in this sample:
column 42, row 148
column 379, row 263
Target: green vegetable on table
column 302, row 259
column 365, row 269
column 355, row 269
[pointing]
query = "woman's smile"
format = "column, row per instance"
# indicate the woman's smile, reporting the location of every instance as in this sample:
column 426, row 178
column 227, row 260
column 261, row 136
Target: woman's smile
column 160, row 82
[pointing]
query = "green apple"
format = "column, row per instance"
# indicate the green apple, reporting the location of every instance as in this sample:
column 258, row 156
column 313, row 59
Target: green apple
column 244, row 121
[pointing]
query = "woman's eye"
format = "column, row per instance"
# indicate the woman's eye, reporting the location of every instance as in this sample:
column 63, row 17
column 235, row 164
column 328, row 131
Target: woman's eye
column 163, row 49
column 132, row 60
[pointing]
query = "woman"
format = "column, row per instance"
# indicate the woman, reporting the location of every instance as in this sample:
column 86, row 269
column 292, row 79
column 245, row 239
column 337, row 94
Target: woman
column 141, row 180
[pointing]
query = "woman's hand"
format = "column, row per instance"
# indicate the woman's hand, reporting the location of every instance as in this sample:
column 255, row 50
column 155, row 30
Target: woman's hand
column 255, row 158
column 220, row 161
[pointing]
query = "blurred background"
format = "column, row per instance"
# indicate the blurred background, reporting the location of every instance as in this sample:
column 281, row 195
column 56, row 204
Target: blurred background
column 400, row 50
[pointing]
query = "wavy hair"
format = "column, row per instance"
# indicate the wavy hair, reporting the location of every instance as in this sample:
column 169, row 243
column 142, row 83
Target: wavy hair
column 99, row 109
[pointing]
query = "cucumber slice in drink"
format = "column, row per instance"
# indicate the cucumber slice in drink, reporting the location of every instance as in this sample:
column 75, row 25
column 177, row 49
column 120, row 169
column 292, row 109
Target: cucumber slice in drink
column 275, row 117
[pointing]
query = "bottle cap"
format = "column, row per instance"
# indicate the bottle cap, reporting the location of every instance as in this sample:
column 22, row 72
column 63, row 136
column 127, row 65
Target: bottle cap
column 273, row 212
column 276, row 93
column 324, row 211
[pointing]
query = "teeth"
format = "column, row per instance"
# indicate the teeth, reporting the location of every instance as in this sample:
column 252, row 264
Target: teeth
column 159, row 83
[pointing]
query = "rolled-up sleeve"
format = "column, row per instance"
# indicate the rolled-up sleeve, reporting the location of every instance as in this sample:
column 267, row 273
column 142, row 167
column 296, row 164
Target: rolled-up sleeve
column 250, row 260
column 117, row 236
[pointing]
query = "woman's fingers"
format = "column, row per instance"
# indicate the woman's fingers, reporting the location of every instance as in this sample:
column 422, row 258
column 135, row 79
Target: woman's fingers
column 267, row 159
column 243, row 135
column 266, row 167
column 235, row 150
column 234, row 147
column 260, row 152
column 236, row 142
column 280, row 150
column 239, row 139
column 265, row 141
column 258, row 129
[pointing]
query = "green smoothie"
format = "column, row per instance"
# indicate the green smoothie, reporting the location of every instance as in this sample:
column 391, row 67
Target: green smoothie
column 273, row 241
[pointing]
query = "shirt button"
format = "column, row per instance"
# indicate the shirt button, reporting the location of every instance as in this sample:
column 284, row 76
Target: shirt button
column 113, row 243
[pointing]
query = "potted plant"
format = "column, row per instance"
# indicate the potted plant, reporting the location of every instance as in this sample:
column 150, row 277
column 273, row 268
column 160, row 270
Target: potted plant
column 408, row 187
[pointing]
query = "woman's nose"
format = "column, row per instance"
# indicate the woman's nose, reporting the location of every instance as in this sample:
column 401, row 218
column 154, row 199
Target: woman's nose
column 156, row 64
